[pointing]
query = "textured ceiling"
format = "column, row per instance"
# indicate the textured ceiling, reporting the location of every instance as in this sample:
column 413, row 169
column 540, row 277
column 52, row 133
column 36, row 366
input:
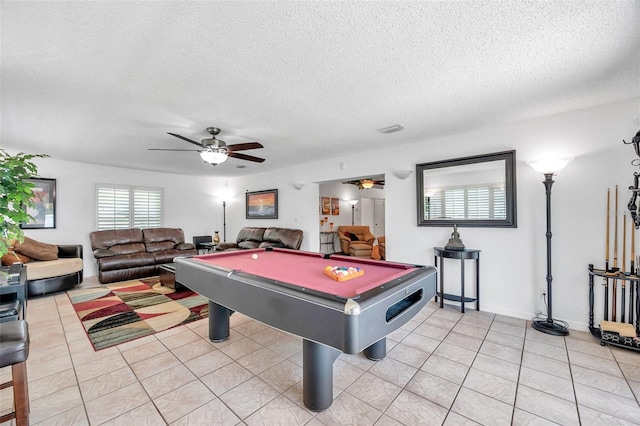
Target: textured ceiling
column 101, row 82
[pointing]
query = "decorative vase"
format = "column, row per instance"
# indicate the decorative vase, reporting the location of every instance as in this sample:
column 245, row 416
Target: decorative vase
column 216, row 237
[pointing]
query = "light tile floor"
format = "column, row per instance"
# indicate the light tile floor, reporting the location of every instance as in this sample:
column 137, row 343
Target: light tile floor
column 441, row 368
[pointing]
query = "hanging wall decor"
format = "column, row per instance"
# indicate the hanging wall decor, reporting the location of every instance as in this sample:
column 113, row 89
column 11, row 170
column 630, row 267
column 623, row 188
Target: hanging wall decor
column 43, row 212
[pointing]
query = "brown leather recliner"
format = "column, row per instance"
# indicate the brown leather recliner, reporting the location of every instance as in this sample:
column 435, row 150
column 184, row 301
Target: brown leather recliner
column 358, row 242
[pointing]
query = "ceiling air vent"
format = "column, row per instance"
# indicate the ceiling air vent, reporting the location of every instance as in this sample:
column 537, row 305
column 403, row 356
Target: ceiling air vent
column 391, row 129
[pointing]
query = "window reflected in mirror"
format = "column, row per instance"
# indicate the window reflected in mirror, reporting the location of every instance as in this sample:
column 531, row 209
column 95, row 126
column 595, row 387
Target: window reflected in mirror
column 472, row 191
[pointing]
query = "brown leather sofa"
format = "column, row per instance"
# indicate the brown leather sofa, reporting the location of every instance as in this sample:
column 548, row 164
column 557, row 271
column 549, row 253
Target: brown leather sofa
column 251, row 237
column 125, row 254
column 356, row 240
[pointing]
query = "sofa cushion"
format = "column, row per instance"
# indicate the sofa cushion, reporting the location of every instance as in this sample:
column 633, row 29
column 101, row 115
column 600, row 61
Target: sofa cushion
column 250, row 234
column 107, row 239
column 128, row 248
column 155, row 235
column 53, row 268
column 37, row 250
column 159, row 246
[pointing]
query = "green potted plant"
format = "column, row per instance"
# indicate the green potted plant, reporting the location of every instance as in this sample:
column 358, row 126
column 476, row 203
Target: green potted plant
column 15, row 194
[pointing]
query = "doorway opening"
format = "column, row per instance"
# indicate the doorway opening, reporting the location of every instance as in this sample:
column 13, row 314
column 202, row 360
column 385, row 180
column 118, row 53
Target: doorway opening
column 350, row 201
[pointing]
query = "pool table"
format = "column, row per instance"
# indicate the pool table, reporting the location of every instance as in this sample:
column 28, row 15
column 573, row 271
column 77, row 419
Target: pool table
column 288, row 290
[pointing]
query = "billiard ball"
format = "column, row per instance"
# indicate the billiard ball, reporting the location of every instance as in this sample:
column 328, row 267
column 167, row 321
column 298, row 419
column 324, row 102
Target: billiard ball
column 254, row 257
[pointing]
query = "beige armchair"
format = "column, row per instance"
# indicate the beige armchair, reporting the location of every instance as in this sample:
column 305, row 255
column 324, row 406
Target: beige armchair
column 356, row 240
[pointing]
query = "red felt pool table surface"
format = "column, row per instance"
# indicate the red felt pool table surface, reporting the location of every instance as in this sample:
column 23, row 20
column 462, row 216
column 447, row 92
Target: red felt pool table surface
column 306, row 270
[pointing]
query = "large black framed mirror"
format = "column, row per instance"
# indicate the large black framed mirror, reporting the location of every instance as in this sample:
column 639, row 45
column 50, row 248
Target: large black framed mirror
column 477, row 191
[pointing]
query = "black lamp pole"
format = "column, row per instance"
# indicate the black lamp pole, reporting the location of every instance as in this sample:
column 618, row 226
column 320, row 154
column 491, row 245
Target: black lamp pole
column 353, row 209
column 224, row 221
column 549, row 326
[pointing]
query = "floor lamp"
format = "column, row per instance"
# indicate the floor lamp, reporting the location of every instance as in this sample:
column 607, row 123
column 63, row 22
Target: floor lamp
column 224, row 221
column 549, row 325
column 353, row 209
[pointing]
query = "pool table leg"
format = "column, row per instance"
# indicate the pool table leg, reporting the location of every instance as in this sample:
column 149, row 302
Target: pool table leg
column 377, row 351
column 218, row 322
column 317, row 375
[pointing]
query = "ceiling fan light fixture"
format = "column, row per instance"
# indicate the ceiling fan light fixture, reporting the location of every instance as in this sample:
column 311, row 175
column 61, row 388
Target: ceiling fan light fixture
column 366, row 183
column 214, row 156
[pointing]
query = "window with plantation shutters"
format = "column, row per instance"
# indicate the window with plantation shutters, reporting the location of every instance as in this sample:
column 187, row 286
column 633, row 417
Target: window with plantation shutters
column 454, row 203
column 122, row 207
column 147, row 208
column 484, row 201
column 478, row 202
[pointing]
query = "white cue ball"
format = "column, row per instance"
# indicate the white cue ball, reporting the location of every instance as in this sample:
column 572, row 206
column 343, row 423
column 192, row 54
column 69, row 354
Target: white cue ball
column 255, row 256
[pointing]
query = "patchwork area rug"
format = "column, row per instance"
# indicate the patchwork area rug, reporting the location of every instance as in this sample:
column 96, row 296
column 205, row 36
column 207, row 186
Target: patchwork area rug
column 116, row 313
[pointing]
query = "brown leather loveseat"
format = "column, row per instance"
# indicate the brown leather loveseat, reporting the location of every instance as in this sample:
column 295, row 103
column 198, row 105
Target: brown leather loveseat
column 250, row 238
column 125, row 254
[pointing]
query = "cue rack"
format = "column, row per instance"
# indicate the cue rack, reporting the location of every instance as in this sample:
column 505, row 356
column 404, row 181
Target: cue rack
column 621, row 277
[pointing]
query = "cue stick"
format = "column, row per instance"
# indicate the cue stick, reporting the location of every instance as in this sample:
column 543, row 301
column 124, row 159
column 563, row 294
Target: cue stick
column 624, row 241
column 615, row 233
column 614, row 307
column 606, row 252
column 623, row 301
column 606, row 256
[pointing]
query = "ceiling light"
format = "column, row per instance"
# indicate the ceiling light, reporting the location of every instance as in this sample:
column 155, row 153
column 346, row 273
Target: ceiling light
column 366, row 183
column 214, row 155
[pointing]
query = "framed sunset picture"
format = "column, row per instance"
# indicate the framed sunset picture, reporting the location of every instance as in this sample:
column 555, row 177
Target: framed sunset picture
column 262, row 204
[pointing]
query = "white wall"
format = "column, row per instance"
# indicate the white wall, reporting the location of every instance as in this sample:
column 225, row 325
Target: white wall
column 513, row 261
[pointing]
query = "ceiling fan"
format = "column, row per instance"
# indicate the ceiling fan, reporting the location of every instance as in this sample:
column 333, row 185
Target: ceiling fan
column 366, row 183
column 215, row 151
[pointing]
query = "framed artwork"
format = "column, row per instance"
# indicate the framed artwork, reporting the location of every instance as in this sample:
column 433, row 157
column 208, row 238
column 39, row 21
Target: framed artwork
column 335, row 206
column 44, row 210
column 262, row 204
column 325, row 204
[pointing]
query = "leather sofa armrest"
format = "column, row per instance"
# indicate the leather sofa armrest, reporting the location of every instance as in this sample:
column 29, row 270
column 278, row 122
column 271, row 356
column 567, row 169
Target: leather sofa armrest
column 185, row 246
column 73, row 250
column 369, row 238
column 226, row 246
column 100, row 253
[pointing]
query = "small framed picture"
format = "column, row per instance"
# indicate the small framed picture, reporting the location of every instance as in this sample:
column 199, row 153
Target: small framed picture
column 325, row 203
column 262, row 204
column 43, row 212
column 335, row 206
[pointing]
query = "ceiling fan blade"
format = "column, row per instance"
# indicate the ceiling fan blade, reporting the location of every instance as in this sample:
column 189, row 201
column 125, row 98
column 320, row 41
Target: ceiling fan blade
column 244, row 146
column 245, row 157
column 186, row 139
column 163, row 149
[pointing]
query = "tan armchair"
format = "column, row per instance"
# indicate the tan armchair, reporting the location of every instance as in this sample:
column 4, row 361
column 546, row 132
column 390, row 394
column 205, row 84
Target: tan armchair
column 382, row 244
column 360, row 245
